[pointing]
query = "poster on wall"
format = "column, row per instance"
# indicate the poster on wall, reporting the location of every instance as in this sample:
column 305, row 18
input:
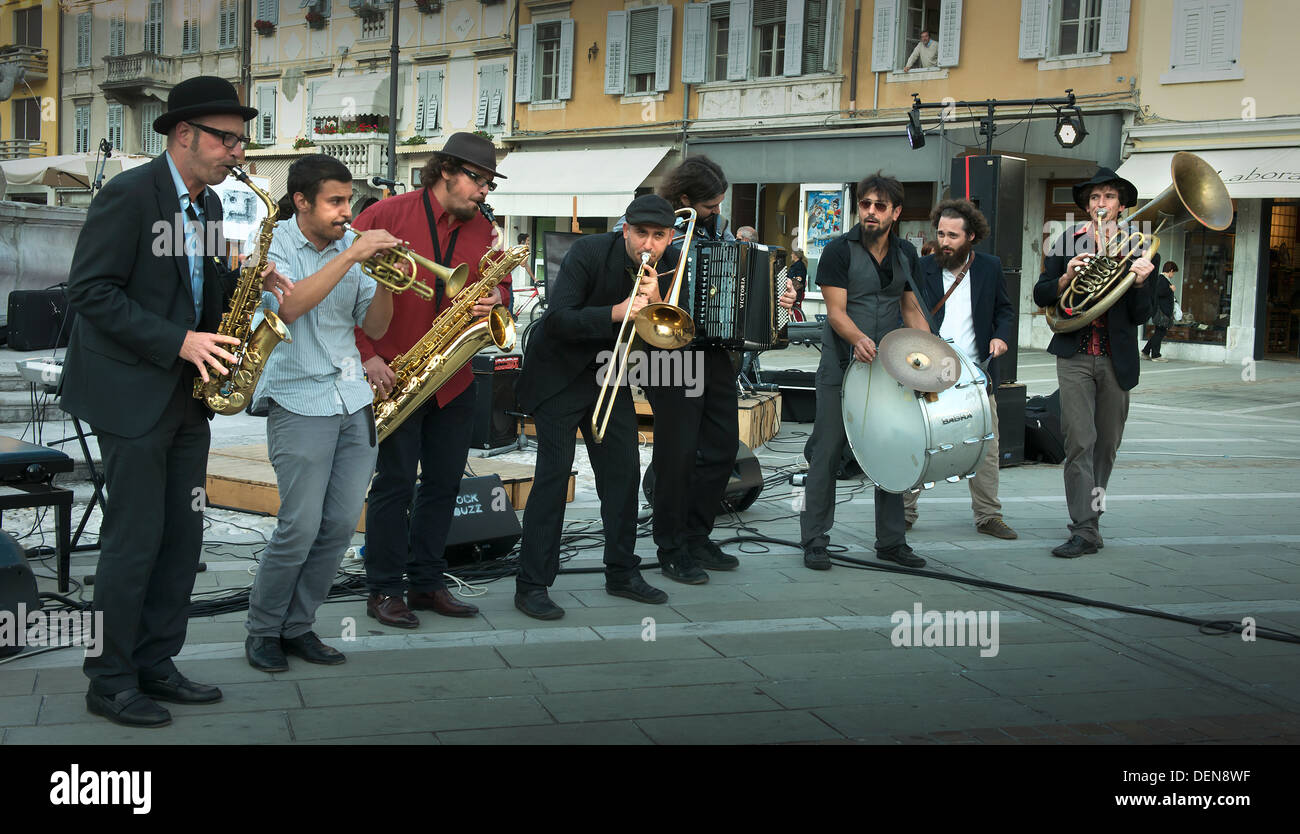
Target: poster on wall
column 242, row 211
column 821, row 220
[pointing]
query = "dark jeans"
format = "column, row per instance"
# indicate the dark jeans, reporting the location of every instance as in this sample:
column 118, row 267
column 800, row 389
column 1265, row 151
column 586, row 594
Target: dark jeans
column 1152, row 347
column 402, row 536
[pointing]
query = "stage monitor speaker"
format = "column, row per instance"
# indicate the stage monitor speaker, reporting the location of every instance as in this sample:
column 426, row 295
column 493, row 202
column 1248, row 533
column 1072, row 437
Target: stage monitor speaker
column 495, row 375
column 17, row 587
column 996, row 185
column 1044, row 438
column 798, row 394
column 1010, row 403
column 743, row 488
column 483, row 524
column 40, row 319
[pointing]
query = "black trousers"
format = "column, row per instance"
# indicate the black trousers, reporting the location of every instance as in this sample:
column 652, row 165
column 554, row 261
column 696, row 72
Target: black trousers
column 696, row 440
column 150, row 542
column 1152, row 347
column 405, row 537
column 616, row 466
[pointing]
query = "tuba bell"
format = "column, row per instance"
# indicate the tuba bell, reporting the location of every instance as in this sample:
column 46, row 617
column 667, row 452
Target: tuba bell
column 1196, row 193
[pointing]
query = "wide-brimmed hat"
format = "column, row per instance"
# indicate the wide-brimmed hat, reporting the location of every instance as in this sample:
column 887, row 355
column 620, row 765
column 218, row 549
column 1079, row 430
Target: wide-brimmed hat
column 474, row 149
column 1128, row 193
column 202, row 95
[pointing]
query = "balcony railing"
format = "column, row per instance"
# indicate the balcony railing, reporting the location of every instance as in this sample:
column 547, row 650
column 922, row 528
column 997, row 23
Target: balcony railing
column 21, row 149
column 34, row 59
column 141, row 66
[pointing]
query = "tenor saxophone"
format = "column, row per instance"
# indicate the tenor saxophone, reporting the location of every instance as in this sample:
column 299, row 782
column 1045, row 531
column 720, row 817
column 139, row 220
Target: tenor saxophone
column 229, row 394
column 452, row 341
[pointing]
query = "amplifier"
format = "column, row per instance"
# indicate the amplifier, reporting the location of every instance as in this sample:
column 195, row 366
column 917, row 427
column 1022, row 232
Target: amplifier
column 1010, row 403
column 495, row 375
column 798, row 394
column 483, row 524
column 743, row 487
column 39, row 319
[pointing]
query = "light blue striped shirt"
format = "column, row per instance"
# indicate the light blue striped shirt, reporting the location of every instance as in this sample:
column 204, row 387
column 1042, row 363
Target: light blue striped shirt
column 319, row 374
column 193, row 238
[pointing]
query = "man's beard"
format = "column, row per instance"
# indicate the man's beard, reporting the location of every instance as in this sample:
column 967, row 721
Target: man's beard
column 871, row 236
column 465, row 213
column 955, row 261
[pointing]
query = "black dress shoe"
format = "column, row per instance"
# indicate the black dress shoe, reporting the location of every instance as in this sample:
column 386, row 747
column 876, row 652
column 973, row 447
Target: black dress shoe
column 680, row 566
column 1074, row 548
column 816, row 558
column 265, row 654
column 538, row 605
column 636, row 588
column 711, row 557
column 904, row 556
column 130, row 708
column 309, row 647
column 178, row 689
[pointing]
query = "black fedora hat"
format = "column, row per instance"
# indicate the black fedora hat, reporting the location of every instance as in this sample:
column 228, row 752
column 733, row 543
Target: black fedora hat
column 474, row 149
column 202, row 95
column 1128, row 193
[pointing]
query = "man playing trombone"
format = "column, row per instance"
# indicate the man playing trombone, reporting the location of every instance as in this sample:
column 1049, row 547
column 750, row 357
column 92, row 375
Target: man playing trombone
column 603, row 282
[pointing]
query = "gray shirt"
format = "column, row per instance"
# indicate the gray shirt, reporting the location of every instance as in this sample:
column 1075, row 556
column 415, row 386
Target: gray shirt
column 319, row 374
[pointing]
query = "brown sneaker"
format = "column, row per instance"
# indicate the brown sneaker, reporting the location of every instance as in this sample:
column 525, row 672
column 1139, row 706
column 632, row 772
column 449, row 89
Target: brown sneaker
column 997, row 528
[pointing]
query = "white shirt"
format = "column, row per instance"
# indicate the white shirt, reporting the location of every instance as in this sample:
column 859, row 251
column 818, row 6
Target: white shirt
column 958, row 319
column 927, row 53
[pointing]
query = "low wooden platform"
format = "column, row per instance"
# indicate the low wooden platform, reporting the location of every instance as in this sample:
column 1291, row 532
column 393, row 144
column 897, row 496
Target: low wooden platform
column 242, row 478
column 759, row 417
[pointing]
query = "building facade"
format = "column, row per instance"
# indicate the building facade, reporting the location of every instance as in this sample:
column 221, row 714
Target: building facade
column 29, row 62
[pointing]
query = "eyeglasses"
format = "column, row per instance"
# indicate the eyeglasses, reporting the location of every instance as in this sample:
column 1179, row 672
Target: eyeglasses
column 227, row 138
column 880, row 205
column 479, row 179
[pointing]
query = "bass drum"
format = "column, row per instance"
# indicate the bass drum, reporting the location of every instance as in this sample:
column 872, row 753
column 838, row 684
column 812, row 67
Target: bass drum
column 904, row 441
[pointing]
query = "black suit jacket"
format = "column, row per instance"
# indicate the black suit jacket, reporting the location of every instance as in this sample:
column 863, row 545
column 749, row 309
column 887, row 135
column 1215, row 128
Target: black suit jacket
column 1122, row 319
column 991, row 310
column 130, row 285
column 576, row 327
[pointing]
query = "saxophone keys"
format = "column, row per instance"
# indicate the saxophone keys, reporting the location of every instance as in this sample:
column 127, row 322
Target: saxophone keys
column 243, row 379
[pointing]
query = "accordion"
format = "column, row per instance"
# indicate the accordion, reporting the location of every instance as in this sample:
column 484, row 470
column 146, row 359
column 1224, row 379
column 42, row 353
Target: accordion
column 731, row 290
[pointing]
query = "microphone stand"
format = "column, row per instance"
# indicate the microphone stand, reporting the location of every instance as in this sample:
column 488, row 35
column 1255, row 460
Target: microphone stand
column 100, row 163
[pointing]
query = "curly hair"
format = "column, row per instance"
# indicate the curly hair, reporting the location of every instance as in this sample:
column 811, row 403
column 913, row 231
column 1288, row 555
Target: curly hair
column 971, row 217
column 698, row 178
column 438, row 167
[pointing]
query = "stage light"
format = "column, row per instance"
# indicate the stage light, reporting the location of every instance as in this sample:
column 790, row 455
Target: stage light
column 1069, row 128
column 915, row 135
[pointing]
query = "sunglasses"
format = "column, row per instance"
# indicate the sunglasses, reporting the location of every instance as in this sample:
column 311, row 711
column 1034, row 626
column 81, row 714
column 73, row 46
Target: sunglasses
column 230, row 140
column 479, row 179
column 880, row 205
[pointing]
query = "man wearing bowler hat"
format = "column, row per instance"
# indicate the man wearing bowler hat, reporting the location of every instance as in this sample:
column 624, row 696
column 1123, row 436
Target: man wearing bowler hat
column 441, row 221
column 143, row 334
column 1096, row 365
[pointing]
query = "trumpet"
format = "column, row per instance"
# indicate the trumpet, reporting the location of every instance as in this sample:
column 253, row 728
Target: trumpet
column 663, row 325
column 383, row 269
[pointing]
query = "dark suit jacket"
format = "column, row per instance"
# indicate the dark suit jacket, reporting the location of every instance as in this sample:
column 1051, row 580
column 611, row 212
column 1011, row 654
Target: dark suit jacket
column 576, row 327
column 1164, row 295
column 991, row 310
column 130, row 285
column 1122, row 319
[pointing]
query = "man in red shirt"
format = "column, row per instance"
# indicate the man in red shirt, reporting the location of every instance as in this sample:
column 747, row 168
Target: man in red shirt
column 440, row 221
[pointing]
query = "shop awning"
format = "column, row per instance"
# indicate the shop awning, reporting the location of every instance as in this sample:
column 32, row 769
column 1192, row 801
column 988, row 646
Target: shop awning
column 352, row 97
column 1249, row 173
column 544, row 183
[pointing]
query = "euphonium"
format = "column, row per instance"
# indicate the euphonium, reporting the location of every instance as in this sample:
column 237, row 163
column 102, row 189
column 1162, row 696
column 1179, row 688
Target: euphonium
column 230, row 393
column 452, row 341
column 1196, row 193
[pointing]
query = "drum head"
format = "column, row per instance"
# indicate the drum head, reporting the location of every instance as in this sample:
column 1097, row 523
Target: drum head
column 884, row 426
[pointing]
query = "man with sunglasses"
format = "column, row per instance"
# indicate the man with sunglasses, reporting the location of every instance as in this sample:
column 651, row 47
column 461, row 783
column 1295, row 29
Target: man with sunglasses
column 404, row 541
column 864, row 279
column 143, row 334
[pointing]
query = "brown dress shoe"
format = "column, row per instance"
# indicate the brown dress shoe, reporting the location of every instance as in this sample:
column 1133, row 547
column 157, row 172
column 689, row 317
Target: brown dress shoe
column 391, row 610
column 440, row 601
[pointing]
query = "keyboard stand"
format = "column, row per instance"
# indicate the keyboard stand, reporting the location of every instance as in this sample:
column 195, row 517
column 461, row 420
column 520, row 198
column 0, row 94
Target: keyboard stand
column 95, row 478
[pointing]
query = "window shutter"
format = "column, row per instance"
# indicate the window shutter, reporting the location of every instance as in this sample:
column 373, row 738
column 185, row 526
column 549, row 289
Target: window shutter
column 421, row 93
column 481, row 112
column 949, row 32
column 1033, row 28
column 115, row 126
column 615, row 53
column 664, row 50
column 266, row 113
column 1189, row 30
column 1114, row 26
column 643, row 28
column 116, row 34
column 83, row 39
column 566, row 60
column 82, row 129
column 268, row 10
column 793, row 38
column 433, row 101
column 695, row 32
column 882, row 36
column 524, row 64
column 832, row 34
column 738, row 28
column 1222, row 44
column 497, row 98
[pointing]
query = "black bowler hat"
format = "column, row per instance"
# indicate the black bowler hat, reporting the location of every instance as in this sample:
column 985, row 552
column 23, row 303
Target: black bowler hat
column 650, row 209
column 202, row 95
column 469, row 147
column 1128, row 193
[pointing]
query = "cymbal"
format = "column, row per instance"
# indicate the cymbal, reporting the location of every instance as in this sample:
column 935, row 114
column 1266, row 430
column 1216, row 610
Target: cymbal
column 919, row 360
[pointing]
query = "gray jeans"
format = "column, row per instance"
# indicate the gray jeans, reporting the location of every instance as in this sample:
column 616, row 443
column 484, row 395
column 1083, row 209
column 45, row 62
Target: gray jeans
column 322, row 467
column 983, row 487
column 1093, row 411
column 827, row 444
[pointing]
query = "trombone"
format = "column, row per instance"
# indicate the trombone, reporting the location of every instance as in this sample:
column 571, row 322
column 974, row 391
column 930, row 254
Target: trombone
column 383, row 268
column 663, row 325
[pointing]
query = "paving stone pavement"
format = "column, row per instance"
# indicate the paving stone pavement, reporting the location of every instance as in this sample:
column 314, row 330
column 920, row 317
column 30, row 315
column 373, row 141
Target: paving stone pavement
column 1201, row 522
